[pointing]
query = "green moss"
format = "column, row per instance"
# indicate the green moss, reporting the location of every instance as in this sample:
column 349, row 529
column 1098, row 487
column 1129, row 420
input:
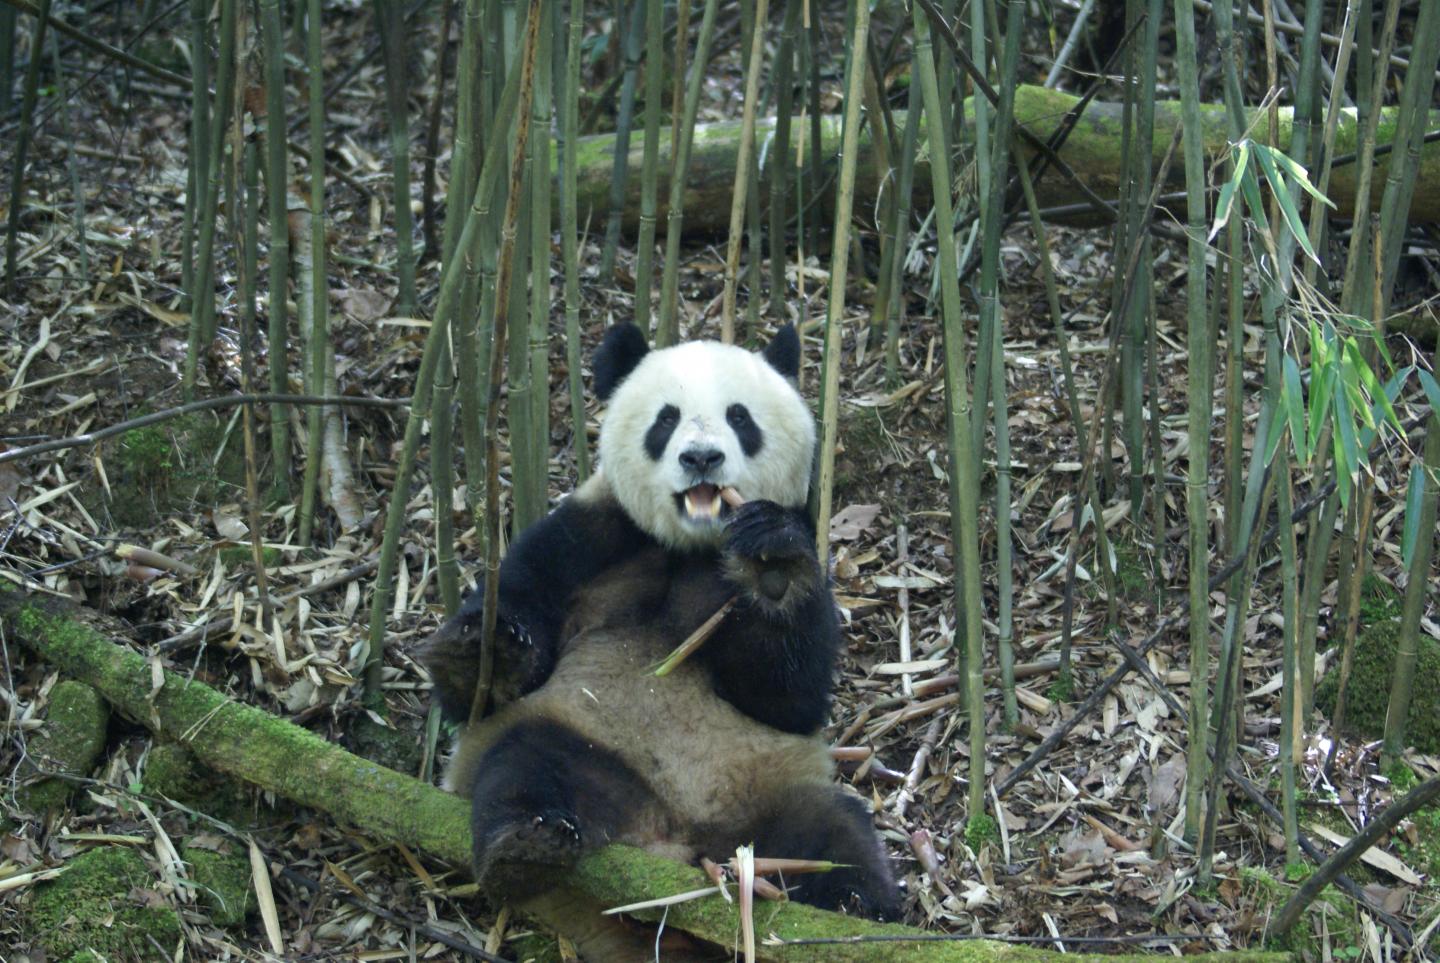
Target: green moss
column 91, row 907
column 1133, row 577
column 241, row 556
column 397, row 747
column 223, row 881
column 173, row 771
column 1379, row 602
column 981, row 829
column 70, row 742
column 1368, row 694
column 172, row 465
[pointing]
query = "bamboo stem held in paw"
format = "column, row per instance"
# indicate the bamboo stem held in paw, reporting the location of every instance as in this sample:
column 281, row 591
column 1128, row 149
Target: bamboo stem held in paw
column 707, row 628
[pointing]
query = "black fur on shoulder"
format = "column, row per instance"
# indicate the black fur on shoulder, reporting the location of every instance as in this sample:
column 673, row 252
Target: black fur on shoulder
column 783, row 352
column 620, row 351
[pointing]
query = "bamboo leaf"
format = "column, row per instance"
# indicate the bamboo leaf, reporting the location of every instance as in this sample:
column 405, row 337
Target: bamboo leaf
column 1292, row 397
column 1349, row 448
column 1276, row 433
column 1321, row 386
column 1300, row 176
column 1288, row 210
column 1414, row 497
column 1223, row 206
column 1432, row 390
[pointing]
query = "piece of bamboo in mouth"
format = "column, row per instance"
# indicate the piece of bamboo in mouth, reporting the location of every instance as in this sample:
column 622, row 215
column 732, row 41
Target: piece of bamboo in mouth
column 707, row 628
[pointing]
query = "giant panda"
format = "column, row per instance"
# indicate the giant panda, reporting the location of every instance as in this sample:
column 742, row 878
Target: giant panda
column 587, row 746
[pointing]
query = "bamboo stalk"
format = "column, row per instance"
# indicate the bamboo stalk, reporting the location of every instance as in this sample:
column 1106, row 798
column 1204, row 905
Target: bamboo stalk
column 539, row 314
column 742, row 172
column 649, row 176
column 839, row 258
column 620, row 170
column 276, row 180
column 569, row 240
column 780, row 150
column 197, row 163
column 72, row 159
column 964, row 482
column 394, row 44
column 32, row 84
column 1198, row 405
column 669, row 331
column 318, row 343
column 202, row 315
column 500, row 326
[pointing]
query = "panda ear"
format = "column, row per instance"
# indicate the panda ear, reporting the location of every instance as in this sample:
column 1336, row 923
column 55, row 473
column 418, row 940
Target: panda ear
column 620, row 351
column 783, row 352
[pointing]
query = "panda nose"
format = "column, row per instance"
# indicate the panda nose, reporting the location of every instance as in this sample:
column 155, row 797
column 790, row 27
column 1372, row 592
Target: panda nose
column 701, row 460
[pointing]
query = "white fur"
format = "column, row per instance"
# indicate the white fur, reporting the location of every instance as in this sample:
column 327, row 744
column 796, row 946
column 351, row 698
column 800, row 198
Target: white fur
column 703, row 379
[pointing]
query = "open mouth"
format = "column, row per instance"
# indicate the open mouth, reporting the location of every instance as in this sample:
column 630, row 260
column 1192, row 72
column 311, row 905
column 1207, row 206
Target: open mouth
column 701, row 503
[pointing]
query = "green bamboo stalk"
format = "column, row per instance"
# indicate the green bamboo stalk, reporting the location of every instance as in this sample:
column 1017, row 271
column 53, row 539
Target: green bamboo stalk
column 1410, row 129
column 277, row 178
column 649, row 174
column 755, row 240
column 1354, row 287
column 886, row 201
column 814, row 183
column 1140, row 321
column 992, row 218
column 569, row 229
column 442, row 481
column 248, row 244
column 527, row 498
column 499, row 325
column 840, row 254
column 895, row 314
column 72, row 160
column 539, row 314
column 318, row 344
column 451, row 282
column 198, row 162
column 202, row 315
column 623, row 121
column 22, row 144
column 1289, row 689
column 1407, row 646
column 669, row 331
column 394, row 44
column 9, row 20
column 471, row 107
column 743, row 167
column 964, row 470
column 1198, row 403
column 780, row 152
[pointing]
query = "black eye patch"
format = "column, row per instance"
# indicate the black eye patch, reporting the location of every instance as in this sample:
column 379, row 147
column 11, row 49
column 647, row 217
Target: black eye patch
column 749, row 433
column 660, row 431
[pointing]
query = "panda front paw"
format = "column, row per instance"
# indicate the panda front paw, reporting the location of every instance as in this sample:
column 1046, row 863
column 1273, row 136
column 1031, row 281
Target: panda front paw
column 770, row 553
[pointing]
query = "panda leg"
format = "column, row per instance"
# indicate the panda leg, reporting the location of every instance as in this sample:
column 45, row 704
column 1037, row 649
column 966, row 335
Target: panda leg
column 821, row 822
column 542, row 797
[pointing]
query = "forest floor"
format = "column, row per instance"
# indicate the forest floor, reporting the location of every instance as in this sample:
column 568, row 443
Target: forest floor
column 1090, row 846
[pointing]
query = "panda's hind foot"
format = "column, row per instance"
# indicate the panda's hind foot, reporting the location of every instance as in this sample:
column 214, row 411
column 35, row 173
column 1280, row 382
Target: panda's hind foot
column 526, row 856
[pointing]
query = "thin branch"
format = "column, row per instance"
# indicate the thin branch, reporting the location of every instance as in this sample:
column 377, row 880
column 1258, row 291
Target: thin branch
column 227, row 401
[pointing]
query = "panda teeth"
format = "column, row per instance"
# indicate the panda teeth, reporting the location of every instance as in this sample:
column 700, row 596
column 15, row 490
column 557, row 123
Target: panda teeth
column 696, row 509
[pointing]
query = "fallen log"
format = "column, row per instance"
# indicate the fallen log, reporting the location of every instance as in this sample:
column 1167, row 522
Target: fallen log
column 248, row 743
column 1092, row 149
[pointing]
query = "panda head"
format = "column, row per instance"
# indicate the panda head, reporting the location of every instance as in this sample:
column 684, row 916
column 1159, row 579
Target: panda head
column 686, row 421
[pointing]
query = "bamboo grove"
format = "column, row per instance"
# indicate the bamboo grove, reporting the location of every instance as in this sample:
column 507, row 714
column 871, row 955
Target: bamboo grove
column 916, row 135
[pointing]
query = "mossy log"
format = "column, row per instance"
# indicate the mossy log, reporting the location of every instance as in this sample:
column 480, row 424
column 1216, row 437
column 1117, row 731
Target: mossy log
column 247, row 743
column 1092, row 149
